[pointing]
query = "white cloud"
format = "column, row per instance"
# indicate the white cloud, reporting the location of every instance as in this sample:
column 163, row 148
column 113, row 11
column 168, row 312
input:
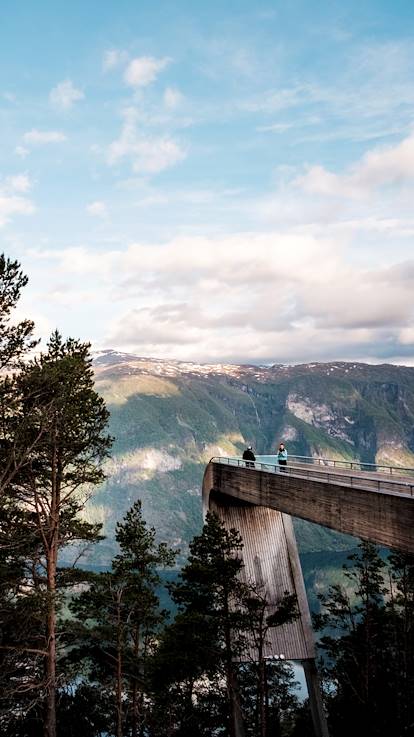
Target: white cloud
column 308, row 289
column 275, row 128
column 37, row 137
column 383, row 166
column 406, row 336
column 148, row 154
column 18, row 183
column 172, row 98
column 65, row 94
column 96, row 209
column 153, row 155
column 77, row 260
column 275, row 296
column 275, row 101
column 11, row 200
column 29, row 306
column 11, row 205
column 113, row 58
column 21, row 151
column 143, row 70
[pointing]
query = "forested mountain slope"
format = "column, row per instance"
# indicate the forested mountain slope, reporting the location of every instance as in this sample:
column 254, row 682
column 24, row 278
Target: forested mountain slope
column 169, row 418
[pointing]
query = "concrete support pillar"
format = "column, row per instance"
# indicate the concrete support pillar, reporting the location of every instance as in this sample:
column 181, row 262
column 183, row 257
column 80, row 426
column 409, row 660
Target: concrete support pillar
column 320, row 725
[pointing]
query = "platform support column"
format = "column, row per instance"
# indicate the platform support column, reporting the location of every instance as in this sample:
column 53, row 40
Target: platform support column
column 320, row 724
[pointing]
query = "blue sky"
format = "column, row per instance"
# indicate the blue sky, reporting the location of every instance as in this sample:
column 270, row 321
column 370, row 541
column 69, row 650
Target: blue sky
column 213, row 181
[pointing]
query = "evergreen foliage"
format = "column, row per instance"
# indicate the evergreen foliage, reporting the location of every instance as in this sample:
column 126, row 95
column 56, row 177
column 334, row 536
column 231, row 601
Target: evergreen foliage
column 265, row 675
column 117, row 619
column 65, row 429
column 15, row 338
column 281, row 704
column 205, row 673
column 210, row 593
column 368, row 646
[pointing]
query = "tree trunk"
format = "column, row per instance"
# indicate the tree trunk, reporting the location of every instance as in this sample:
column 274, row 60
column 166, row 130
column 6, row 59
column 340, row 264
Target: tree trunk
column 262, row 690
column 50, row 719
column 51, row 553
column 269, row 732
column 119, row 712
column 135, row 706
column 236, row 726
column 236, row 716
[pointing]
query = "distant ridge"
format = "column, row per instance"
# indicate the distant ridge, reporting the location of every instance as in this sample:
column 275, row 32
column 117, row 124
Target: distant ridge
column 110, row 357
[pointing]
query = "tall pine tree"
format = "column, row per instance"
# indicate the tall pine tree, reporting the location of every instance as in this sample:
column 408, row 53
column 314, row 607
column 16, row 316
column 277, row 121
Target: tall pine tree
column 118, row 618
column 211, row 590
column 68, row 441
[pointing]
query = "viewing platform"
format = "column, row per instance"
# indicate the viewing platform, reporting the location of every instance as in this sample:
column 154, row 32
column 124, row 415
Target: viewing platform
column 374, row 503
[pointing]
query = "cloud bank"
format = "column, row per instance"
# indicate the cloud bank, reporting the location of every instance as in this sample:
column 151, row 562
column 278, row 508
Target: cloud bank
column 249, row 297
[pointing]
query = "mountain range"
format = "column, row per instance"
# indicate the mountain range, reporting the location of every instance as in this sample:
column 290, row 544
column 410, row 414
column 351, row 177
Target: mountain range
column 169, row 418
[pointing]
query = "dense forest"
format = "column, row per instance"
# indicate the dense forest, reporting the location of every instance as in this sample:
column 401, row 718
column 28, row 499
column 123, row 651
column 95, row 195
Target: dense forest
column 96, row 655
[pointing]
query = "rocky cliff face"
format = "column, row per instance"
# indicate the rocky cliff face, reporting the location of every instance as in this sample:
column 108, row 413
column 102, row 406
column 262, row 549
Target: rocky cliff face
column 169, row 418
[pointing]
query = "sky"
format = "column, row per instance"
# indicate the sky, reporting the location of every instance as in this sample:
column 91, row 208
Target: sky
column 216, row 182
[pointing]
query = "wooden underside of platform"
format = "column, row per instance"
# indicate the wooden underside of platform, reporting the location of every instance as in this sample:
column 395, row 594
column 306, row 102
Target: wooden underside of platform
column 384, row 519
column 271, row 563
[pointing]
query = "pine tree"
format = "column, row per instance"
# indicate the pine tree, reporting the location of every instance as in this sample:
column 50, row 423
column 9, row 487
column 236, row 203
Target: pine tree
column 16, row 339
column 357, row 649
column 67, row 438
column 22, row 614
column 195, row 667
column 259, row 622
column 188, row 680
column 210, row 588
column 400, row 608
column 281, row 703
column 210, row 663
column 121, row 616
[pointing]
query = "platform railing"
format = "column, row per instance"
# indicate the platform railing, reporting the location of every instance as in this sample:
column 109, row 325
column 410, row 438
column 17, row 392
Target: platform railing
column 353, row 465
column 315, row 473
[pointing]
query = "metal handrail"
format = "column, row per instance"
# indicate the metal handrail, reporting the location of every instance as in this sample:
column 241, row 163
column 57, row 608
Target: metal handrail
column 364, row 483
column 352, row 465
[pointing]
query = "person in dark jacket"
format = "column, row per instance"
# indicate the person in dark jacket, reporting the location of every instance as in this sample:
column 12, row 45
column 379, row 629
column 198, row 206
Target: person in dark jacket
column 249, row 456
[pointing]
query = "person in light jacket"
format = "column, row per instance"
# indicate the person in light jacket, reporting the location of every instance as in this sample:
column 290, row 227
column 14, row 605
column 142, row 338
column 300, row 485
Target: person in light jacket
column 282, row 455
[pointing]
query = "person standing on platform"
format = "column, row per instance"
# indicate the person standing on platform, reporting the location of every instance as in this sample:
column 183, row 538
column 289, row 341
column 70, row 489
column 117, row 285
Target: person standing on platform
column 249, row 457
column 282, row 455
